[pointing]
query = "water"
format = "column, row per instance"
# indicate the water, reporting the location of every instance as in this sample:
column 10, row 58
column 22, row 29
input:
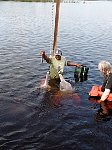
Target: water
column 37, row 119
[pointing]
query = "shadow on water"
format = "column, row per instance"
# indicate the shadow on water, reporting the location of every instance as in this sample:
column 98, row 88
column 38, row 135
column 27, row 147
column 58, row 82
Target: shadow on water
column 99, row 115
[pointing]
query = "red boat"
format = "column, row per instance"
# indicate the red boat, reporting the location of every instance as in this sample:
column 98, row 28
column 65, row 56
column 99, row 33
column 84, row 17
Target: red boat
column 96, row 92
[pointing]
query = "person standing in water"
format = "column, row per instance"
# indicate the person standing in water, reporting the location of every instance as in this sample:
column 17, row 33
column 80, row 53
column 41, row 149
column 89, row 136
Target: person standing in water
column 106, row 69
column 57, row 63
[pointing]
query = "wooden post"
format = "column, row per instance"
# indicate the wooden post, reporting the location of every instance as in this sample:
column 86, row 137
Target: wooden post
column 56, row 25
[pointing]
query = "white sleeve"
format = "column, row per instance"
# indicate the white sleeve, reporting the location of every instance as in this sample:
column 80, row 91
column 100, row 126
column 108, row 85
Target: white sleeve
column 105, row 94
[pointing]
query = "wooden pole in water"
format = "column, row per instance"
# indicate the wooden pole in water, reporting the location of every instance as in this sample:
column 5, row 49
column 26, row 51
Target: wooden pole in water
column 56, row 25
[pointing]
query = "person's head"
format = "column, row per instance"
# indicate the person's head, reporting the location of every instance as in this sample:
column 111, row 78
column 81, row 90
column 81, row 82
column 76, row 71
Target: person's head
column 105, row 67
column 58, row 54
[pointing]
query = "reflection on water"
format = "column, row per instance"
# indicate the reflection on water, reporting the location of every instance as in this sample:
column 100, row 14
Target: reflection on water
column 35, row 118
column 104, row 113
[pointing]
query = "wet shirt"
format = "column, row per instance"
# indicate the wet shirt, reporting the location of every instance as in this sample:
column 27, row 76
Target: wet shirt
column 57, row 66
column 107, row 84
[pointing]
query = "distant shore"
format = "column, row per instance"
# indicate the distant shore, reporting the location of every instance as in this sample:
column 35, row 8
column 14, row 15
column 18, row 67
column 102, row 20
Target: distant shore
column 72, row 1
column 30, row 0
column 47, row 0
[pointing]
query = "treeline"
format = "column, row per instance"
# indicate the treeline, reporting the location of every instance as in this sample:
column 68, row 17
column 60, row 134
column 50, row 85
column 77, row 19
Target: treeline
column 30, row 0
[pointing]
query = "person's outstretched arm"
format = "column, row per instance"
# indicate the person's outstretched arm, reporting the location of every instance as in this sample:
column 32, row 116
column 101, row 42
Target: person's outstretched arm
column 70, row 63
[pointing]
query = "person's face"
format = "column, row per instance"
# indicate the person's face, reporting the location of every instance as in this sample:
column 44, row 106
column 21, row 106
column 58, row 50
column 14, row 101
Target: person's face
column 104, row 72
column 58, row 57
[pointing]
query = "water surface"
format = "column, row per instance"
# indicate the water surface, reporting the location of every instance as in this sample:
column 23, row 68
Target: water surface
column 38, row 119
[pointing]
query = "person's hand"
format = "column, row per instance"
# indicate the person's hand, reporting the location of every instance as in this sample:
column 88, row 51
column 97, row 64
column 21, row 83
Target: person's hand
column 42, row 53
column 82, row 65
column 78, row 65
column 99, row 101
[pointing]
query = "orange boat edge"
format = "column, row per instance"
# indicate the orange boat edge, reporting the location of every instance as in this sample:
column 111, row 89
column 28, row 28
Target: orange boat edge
column 96, row 92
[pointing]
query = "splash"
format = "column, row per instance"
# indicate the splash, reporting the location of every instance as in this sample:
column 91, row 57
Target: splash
column 45, row 84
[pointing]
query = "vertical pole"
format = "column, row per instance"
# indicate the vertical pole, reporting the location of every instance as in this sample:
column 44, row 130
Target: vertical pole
column 56, row 25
